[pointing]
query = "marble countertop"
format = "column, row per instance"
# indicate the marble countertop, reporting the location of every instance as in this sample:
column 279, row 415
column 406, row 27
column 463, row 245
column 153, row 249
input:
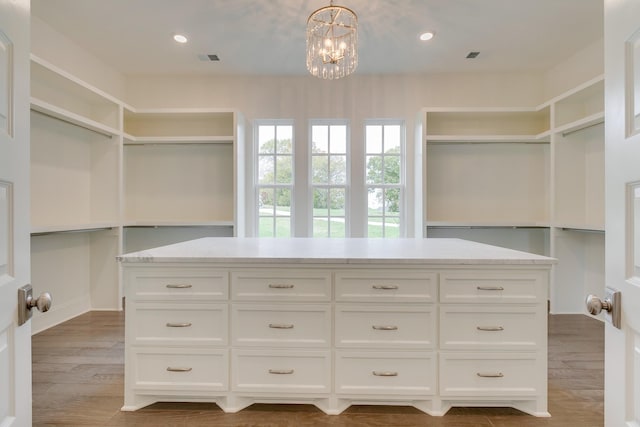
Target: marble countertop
column 334, row 251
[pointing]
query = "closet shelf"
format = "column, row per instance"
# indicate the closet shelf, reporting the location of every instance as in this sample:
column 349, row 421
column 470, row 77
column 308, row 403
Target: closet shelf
column 586, row 122
column 181, row 140
column 58, row 113
column 599, row 228
column 542, row 138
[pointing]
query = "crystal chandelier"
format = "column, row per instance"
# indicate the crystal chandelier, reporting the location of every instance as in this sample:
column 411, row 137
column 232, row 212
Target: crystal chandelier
column 332, row 42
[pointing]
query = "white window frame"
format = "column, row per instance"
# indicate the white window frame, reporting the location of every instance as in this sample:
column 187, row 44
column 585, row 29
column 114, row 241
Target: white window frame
column 346, row 185
column 257, row 186
column 401, row 186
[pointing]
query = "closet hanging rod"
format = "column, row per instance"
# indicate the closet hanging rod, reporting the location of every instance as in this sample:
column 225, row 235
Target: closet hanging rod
column 82, row 230
column 582, row 230
column 582, row 128
column 71, row 122
column 484, row 227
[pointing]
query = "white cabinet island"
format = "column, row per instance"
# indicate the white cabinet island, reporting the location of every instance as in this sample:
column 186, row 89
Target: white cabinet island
column 432, row 323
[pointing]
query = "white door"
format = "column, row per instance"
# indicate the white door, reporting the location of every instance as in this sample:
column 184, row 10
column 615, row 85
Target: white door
column 15, row 341
column 622, row 171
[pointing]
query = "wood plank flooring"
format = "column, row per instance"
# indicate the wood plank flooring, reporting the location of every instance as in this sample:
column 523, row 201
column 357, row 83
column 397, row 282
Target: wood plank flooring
column 78, row 380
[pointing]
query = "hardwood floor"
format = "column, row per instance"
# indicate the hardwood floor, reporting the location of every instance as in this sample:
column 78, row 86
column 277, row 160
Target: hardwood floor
column 78, row 381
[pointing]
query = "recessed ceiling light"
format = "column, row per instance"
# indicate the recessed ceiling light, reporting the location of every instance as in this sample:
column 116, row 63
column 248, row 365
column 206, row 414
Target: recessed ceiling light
column 427, row 36
column 180, row 38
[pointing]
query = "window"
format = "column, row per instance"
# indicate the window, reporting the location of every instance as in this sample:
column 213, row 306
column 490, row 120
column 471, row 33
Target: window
column 384, row 178
column 329, row 179
column 274, row 186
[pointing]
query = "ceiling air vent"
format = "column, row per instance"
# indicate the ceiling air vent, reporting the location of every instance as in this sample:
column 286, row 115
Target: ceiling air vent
column 210, row 57
column 472, row 55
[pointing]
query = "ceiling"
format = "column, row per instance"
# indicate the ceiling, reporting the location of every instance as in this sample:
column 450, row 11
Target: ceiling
column 267, row 37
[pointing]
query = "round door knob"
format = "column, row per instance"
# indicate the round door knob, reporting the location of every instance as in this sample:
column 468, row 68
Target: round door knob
column 595, row 305
column 42, row 303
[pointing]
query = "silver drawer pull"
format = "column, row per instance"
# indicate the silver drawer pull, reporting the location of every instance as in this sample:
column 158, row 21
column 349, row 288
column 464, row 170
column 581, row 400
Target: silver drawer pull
column 385, row 287
column 490, row 288
column 490, row 375
column 490, row 328
column 281, row 371
column 281, row 325
column 385, row 327
column 280, row 286
column 179, row 286
column 172, row 369
column 385, row 373
column 178, row 325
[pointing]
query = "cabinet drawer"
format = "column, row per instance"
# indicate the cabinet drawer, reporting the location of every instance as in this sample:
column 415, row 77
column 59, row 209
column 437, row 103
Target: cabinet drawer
column 382, row 326
column 492, row 374
column 281, row 371
column 287, row 285
column 497, row 327
column 180, row 369
column 385, row 373
column 178, row 284
column 299, row 325
column 181, row 324
column 384, row 286
column 485, row 286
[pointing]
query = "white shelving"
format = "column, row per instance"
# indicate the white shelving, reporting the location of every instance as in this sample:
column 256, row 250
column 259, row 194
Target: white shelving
column 107, row 178
column 75, row 194
column 578, row 197
column 181, row 169
column 525, row 178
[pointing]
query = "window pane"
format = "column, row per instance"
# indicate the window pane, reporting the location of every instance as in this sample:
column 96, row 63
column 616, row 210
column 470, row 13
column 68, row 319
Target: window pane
column 374, row 227
column 392, row 227
column 283, row 227
column 266, row 139
column 338, row 139
column 266, row 170
column 375, row 201
column 374, row 139
column 283, row 202
column 285, row 139
column 265, row 227
column 392, row 169
column 374, row 170
column 337, row 201
column 338, row 170
column 320, row 202
column 265, row 201
column 319, row 139
column 320, row 227
column 320, row 170
column 284, row 172
column 392, row 202
column 392, row 139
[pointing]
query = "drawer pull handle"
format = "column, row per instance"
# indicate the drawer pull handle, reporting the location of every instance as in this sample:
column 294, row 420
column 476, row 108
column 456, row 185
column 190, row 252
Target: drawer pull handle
column 178, row 325
column 490, row 288
column 281, row 325
column 172, row 369
column 490, row 328
column 179, row 286
column 280, row 286
column 281, row 371
column 491, row 375
column 385, row 327
column 385, row 287
column 385, row 373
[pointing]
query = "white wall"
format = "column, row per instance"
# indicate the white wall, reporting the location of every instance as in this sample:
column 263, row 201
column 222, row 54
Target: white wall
column 578, row 68
column 61, row 51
